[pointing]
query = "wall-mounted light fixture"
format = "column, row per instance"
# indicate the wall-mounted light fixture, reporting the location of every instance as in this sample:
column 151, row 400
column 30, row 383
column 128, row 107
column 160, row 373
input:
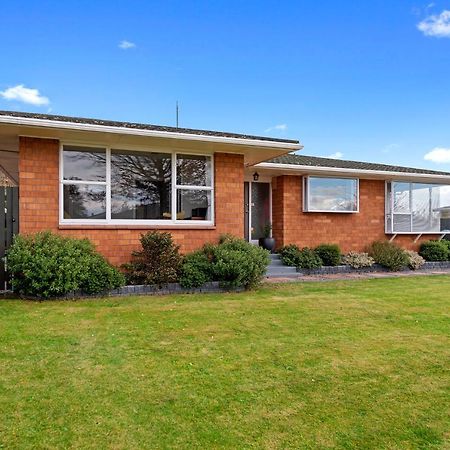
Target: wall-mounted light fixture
column 256, row 176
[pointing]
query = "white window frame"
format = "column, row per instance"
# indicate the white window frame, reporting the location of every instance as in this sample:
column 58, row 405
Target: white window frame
column 307, row 190
column 129, row 222
column 390, row 208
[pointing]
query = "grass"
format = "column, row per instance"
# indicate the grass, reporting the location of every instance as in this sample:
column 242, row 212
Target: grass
column 349, row 365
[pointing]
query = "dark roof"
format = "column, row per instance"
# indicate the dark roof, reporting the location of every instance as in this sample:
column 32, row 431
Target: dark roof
column 142, row 126
column 315, row 161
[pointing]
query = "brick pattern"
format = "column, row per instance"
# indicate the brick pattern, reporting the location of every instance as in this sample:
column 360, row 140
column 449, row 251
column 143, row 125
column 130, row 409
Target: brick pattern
column 39, row 193
column 350, row 231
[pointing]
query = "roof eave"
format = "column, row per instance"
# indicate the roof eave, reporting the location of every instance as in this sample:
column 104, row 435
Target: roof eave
column 54, row 124
column 361, row 173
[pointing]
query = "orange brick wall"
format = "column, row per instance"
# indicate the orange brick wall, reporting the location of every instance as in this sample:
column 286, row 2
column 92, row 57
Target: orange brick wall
column 350, row 231
column 39, row 194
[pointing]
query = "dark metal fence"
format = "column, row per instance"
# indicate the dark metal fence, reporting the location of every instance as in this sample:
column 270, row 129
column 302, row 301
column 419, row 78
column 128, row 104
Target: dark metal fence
column 9, row 226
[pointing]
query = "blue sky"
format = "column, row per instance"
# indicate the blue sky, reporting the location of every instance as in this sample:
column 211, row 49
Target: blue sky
column 367, row 81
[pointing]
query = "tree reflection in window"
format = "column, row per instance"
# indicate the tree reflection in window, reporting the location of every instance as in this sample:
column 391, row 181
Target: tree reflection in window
column 140, row 185
column 84, row 164
column 84, row 201
column 193, row 170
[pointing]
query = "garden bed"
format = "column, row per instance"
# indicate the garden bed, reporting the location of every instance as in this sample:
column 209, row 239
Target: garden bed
column 343, row 269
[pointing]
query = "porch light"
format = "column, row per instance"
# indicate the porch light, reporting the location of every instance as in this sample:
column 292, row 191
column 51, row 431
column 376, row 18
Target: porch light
column 256, row 176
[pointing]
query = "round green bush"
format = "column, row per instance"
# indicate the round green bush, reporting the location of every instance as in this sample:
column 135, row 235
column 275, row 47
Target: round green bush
column 330, row 254
column 289, row 254
column 47, row 265
column 232, row 262
column 388, row 255
column 304, row 258
column 308, row 259
column 196, row 269
column 434, row 251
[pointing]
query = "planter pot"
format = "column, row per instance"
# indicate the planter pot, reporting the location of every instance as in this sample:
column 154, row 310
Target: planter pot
column 267, row 243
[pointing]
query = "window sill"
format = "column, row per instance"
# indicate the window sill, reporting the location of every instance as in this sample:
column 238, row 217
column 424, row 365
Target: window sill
column 135, row 227
column 415, row 233
column 329, row 212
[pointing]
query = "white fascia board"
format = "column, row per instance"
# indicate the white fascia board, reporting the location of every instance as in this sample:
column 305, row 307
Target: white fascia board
column 354, row 172
column 44, row 123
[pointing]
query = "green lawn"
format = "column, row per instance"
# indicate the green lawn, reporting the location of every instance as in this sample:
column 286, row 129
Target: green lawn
column 355, row 364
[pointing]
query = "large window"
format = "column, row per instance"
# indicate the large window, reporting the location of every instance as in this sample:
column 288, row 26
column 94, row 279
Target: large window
column 417, row 208
column 337, row 195
column 122, row 186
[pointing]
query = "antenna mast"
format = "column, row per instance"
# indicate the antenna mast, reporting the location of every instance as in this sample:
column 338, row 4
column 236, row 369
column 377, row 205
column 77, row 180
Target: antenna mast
column 177, row 113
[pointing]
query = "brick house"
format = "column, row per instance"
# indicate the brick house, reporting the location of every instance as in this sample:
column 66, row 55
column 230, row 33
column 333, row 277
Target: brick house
column 111, row 181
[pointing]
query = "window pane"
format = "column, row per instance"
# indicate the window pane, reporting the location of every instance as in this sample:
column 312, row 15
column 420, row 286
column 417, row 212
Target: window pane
column 333, row 194
column 402, row 223
column 84, row 164
column 84, row 201
column 140, row 185
column 193, row 205
column 193, row 170
column 422, row 208
column 441, row 197
column 402, row 197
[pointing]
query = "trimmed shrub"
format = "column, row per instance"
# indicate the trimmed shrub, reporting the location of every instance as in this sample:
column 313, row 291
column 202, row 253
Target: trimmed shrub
column 289, row 254
column 308, row 259
column 434, row 251
column 415, row 261
column 447, row 243
column 196, row 269
column 388, row 255
column 330, row 254
column 233, row 262
column 159, row 261
column 358, row 260
column 46, row 265
column 304, row 258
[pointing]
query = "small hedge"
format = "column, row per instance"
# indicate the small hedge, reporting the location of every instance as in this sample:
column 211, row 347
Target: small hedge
column 306, row 258
column 159, row 261
column 330, row 254
column 388, row 255
column 434, row 251
column 232, row 262
column 46, row 265
column 289, row 255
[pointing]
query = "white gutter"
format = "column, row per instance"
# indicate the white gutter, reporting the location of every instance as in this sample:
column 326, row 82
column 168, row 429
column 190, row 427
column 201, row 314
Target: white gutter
column 45, row 123
column 355, row 172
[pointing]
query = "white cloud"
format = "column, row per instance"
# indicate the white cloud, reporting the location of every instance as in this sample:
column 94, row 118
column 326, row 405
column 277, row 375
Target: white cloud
column 125, row 45
column 23, row 94
column 280, row 127
column 436, row 25
column 438, row 155
column 336, row 155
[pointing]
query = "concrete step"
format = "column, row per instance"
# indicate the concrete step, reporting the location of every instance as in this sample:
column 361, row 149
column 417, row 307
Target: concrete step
column 283, row 275
column 275, row 263
column 281, row 270
column 274, row 256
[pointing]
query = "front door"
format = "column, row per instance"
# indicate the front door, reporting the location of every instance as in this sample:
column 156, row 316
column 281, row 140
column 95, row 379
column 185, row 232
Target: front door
column 257, row 209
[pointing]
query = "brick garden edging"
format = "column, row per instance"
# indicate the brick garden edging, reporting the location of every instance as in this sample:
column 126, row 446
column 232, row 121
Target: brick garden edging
column 170, row 288
column 145, row 289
